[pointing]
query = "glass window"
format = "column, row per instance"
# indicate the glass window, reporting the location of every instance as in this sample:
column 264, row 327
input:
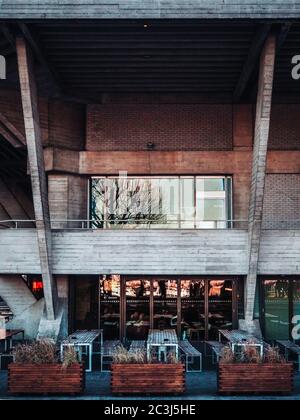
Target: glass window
column 193, row 309
column 110, row 306
column 137, row 309
column 211, row 205
column 165, row 304
column 276, row 309
column 220, row 300
column 164, row 203
column 296, row 299
column 187, row 193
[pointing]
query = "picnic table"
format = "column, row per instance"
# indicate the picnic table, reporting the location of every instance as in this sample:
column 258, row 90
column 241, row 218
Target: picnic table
column 83, row 341
column 162, row 340
column 238, row 338
column 8, row 339
column 290, row 346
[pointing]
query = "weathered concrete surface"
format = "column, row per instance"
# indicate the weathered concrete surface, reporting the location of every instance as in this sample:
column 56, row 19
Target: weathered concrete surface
column 54, row 329
column 129, row 252
column 261, row 138
column 37, row 170
column 26, row 309
column 154, row 9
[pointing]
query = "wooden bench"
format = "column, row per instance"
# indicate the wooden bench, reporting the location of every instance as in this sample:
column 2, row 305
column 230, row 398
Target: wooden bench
column 290, row 347
column 216, row 348
column 191, row 355
column 108, row 351
column 137, row 345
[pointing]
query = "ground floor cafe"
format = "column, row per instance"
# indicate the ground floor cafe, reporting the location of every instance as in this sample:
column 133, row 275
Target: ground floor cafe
column 157, row 335
column 127, row 308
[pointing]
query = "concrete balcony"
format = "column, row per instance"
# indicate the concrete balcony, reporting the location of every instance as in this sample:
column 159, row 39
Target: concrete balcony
column 166, row 252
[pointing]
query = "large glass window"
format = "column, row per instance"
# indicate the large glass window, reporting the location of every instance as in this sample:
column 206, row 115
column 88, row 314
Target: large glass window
column 165, row 293
column 137, row 309
column 296, row 300
column 193, row 309
column 220, row 299
column 169, row 202
column 110, row 306
column 276, row 308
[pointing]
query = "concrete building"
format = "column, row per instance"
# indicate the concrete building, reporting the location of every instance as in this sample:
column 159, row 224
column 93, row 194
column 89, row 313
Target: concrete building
column 150, row 167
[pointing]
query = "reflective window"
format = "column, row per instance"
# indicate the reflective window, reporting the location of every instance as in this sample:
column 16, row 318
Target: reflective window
column 220, row 299
column 212, row 203
column 175, row 202
column 193, row 309
column 137, row 309
column 110, row 306
column 165, row 293
column 277, row 325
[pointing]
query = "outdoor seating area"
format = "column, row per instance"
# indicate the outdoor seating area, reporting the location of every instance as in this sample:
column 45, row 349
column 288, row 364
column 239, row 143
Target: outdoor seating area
column 163, row 345
column 160, row 346
column 175, row 359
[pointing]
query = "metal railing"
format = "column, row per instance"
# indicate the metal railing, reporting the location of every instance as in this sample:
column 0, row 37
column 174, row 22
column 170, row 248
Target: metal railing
column 146, row 224
column 130, row 224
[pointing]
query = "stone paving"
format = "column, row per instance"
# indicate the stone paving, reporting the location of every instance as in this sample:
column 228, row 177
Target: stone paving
column 199, row 387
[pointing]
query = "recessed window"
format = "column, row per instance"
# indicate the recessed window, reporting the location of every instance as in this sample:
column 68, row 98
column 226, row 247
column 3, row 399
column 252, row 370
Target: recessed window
column 187, row 202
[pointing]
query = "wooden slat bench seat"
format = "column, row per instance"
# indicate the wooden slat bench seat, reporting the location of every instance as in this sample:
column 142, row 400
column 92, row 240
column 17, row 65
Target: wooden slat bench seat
column 137, row 345
column 290, row 347
column 216, row 348
column 191, row 356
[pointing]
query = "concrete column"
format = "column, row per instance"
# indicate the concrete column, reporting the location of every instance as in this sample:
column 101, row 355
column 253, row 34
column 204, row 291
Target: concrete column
column 262, row 126
column 37, row 171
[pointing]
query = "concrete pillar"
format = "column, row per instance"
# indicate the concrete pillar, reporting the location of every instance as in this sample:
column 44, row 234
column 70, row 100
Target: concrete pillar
column 37, row 171
column 68, row 196
column 262, row 126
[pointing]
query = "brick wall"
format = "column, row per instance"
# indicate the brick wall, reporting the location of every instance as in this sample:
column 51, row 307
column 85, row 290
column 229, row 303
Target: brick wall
column 66, row 125
column 62, row 124
column 285, row 127
column 131, row 127
column 282, row 201
column 11, row 108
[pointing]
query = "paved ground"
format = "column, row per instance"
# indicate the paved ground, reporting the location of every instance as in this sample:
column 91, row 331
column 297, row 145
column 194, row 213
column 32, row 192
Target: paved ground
column 199, row 387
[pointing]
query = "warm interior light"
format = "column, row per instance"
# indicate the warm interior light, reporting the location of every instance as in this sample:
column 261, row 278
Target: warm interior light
column 37, row 286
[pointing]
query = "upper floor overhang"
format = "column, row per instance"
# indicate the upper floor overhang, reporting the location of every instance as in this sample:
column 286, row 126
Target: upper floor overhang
column 213, row 60
column 149, row 9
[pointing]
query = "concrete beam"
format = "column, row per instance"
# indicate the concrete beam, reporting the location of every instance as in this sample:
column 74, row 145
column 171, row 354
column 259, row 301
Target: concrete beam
column 37, row 171
column 259, row 166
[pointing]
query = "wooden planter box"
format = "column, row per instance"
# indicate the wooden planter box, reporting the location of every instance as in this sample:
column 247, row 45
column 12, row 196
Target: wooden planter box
column 156, row 379
column 256, row 379
column 46, row 379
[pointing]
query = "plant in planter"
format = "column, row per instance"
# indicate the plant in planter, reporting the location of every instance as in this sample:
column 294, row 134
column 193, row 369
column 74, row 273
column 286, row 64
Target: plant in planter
column 38, row 370
column 248, row 373
column 133, row 374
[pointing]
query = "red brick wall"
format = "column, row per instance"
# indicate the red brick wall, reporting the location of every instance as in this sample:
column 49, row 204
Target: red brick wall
column 130, row 127
column 11, row 107
column 66, row 125
column 285, row 127
column 62, row 124
column 282, row 201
